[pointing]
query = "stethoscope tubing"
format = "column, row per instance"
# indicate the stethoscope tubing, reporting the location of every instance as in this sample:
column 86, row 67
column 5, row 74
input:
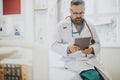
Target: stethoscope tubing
column 82, row 28
column 92, row 40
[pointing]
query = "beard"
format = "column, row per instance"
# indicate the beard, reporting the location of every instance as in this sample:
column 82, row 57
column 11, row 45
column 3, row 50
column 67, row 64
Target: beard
column 78, row 20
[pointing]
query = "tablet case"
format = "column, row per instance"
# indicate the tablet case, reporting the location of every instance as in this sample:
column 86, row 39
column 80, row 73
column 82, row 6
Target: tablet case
column 83, row 42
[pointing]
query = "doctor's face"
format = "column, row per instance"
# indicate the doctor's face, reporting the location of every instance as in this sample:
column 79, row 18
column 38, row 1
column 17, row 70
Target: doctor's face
column 77, row 13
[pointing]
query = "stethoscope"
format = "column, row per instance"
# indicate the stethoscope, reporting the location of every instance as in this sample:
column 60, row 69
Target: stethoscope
column 77, row 32
column 92, row 40
column 83, row 24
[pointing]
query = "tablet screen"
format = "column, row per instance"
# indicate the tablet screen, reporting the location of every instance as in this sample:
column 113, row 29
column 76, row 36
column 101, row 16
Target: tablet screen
column 83, row 42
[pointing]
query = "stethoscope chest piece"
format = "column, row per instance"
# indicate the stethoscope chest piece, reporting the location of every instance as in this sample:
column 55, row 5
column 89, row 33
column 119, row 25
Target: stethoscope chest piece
column 92, row 41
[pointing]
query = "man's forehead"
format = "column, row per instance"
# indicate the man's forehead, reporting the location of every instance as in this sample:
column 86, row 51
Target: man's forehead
column 77, row 7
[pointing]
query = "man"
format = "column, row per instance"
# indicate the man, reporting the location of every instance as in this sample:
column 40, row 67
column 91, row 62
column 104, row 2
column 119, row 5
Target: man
column 80, row 61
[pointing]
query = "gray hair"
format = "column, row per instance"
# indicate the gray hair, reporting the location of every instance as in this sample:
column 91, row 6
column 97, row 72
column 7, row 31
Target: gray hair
column 77, row 2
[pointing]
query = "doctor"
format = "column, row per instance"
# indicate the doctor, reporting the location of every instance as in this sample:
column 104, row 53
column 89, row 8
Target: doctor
column 83, row 62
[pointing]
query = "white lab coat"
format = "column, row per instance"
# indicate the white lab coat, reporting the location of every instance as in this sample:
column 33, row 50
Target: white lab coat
column 77, row 62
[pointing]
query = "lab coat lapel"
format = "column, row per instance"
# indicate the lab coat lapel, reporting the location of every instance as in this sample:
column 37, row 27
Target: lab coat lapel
column 74, row 28
column 85, row 32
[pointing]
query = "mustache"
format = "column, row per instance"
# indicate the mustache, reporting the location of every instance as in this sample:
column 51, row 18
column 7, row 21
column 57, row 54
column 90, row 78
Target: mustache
column 79, row 18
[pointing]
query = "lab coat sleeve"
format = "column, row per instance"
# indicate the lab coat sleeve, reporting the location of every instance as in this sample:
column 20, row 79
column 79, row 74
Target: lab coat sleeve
column 58, row 45
column 97, row 45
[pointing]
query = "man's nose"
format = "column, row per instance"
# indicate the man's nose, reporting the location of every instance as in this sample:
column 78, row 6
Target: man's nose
column 78, row 15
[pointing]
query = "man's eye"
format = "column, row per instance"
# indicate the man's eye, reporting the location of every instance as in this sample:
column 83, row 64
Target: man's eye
column 75, row 13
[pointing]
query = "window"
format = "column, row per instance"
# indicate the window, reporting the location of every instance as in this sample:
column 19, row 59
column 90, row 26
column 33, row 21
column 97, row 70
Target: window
column 104, row 15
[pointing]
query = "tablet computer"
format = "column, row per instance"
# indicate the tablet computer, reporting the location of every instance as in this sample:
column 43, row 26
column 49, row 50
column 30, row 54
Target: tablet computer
column 83, row 42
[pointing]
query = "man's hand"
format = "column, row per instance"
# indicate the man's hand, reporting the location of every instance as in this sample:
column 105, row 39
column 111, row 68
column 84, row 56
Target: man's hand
column 88, row 50
column 73, row 48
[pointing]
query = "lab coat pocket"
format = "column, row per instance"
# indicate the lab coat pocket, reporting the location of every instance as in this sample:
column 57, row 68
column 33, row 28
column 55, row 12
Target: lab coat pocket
column 66, row 36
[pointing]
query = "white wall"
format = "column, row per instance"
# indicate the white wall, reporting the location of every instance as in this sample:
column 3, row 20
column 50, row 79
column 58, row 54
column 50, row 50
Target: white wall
column 29, row 20
column 0, row 7
column 25, row 21
column 110, row 58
